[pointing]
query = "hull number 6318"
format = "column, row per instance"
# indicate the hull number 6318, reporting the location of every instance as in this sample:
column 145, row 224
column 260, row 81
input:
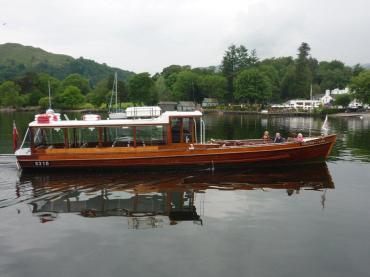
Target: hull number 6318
column 42, row 163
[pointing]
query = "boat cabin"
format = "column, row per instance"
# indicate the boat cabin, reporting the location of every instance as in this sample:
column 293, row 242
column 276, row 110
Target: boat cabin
column 168, row 129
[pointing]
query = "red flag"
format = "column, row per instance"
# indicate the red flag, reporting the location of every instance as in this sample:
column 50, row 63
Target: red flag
column 15, row 137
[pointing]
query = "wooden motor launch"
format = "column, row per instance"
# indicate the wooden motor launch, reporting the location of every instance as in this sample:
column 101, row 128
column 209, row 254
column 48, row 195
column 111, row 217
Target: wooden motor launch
column 173, row 138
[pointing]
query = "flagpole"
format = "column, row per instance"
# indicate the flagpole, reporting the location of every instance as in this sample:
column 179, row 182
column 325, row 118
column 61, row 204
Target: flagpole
column 15, row 137
column 311, row 104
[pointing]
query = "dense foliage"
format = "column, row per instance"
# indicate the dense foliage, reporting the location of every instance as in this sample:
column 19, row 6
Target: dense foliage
column 360, row 85
column 252, row 86
column 240, row 78
column 343, row 100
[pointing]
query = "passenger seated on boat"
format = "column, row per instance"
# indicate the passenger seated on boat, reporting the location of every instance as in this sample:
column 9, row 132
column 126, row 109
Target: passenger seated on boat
column 266, row 137
column 279, row 138
column 299, row 137
column 84, row 145
column 187, row 136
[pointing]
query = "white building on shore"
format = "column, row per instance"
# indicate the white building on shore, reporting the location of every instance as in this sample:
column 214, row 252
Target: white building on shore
column 319, row 100
column 298, row 104
column 337, row 91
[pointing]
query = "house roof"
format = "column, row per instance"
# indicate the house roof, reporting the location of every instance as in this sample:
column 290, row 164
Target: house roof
column 186, row 103
column 210, row 100
column 318, row 96
column 167, row 103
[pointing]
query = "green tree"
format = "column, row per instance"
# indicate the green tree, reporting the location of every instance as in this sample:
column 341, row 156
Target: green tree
column 334, row 74
column 173, row 69
column 252, row 86
column 101, row 93
column 285, row 79
column 141, row 89
column 303, row 74
column 44, row 102
column 360, row 86
column 213, row 86
column 288, row 83
column 234, row 60
column 9, row 95
column 70, row 98
column 43, row 84
column 273, row 76
column 280, row 64
column 78, row 81
column 28, row 82
column 357, row 69
column 164, row 93
column 342, row 100
column 34, row 86
column 34, row 97
column 170, row 74
column 186, row 87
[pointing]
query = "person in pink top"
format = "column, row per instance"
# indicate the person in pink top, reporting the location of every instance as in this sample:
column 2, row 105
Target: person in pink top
column 299, row 138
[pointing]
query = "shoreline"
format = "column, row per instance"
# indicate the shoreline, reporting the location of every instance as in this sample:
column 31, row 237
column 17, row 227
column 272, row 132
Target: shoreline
column 357, row 114
column 287, row 113
column 205, row 111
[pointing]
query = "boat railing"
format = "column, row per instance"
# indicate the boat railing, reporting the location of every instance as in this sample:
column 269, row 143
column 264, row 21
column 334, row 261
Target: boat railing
column 202, row 130
column 24, row 139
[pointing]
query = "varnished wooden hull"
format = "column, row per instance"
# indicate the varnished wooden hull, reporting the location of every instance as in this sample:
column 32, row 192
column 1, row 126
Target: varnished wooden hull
column 318, row 148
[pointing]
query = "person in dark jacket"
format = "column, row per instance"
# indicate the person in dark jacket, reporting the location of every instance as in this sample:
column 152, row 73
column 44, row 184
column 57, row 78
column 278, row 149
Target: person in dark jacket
column 279, row 138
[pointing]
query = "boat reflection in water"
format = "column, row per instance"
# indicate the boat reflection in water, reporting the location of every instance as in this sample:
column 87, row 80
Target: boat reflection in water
column 155, row 199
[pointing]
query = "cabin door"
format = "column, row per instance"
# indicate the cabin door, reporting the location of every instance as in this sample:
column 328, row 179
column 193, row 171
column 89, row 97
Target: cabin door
column 175, row 129
column 182, row 130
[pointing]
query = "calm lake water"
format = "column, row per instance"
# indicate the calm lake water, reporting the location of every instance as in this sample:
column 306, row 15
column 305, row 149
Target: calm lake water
column 310, row 220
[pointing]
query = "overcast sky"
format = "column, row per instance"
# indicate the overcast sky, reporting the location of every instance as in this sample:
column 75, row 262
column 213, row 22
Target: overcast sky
column 147, row 35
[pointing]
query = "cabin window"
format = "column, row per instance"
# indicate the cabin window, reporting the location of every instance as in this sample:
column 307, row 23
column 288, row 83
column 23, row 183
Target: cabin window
column 121, row 136
column 187, row 130
column 175, row 129
column 150, row 135
column 88, row 137
column 48, row 138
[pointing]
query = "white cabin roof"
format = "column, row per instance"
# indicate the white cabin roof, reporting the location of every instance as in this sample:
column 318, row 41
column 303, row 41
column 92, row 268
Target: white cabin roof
column 161, row 120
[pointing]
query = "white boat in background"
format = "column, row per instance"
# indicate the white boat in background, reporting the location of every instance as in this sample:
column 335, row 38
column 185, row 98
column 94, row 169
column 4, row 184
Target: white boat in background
column 118, row 114
column 143, row 112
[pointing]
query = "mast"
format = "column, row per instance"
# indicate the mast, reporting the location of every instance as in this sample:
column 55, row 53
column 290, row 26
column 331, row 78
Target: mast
column 116, row 90
column 49, row 94
column 114, row 94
